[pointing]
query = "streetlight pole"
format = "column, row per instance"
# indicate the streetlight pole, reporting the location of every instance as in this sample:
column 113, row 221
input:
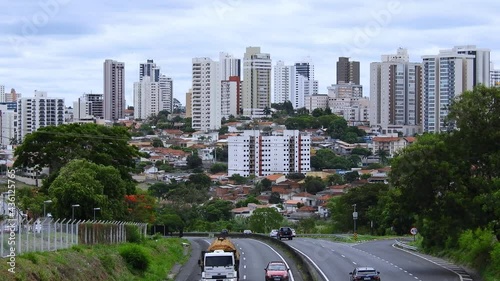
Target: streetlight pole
column 73, row 210
column 96, row 209
column 45, row 204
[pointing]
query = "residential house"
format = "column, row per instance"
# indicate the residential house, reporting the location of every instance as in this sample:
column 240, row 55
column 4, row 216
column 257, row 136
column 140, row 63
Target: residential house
column 276, row 178
column 391, row 144
column 305, row 198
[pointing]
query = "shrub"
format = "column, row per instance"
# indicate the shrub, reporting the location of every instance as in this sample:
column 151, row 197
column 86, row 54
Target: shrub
column 31, row 257
column 495, row 260
column 135, row 256
column 133, row 234
column 476, row 246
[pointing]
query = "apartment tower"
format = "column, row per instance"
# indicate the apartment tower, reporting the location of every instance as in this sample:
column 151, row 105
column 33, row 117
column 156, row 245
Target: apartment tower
column 114, row 90
column 256, row 95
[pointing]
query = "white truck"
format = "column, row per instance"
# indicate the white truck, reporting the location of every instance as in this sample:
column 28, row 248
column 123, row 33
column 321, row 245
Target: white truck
column 220, row 262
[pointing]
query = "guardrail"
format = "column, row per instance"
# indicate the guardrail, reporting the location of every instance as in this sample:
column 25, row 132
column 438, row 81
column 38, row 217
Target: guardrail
column 405, row 246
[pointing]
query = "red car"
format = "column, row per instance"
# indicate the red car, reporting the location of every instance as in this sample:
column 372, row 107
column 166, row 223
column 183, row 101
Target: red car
column 277, row 271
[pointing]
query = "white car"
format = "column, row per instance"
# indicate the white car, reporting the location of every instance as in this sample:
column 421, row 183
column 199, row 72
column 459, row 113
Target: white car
column 247, row 231
column 293, row 232
column 273, row 233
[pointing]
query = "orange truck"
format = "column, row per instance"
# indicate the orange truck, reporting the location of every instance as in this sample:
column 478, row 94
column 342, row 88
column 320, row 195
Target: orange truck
column 220, row 262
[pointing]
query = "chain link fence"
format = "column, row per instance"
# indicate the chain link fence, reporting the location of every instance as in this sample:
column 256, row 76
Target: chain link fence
column 20, row 236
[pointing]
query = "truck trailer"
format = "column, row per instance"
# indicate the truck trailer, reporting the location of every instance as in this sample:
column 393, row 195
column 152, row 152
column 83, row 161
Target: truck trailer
column 220, row 262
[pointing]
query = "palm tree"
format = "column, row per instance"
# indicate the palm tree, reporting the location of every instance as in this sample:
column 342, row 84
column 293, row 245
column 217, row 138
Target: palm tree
column 383, row 156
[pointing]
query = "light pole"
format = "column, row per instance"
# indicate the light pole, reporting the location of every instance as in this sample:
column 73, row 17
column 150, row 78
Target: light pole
column 354, row 217
column 45, row 204
column 73, row 210
column 96, row 209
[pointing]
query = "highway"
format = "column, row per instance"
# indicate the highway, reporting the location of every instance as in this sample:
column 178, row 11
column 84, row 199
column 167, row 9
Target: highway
column 336, row 260
column 254, row 256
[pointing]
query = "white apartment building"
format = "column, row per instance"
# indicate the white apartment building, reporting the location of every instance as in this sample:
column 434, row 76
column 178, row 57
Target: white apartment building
column 88, row 106
column 446, row 76
column 395, row 94
column 312, row 102
column 256, row 90
column 494, row 76
column 230, row 96
column 262, row 154
column 346, row 100
column 114, row 90
column 282, row 82
column 146, row 98
column 2, row 93
column 37, row 112
column 229, row 66
column 166, row 86
column 206, row 96
column 8, row 123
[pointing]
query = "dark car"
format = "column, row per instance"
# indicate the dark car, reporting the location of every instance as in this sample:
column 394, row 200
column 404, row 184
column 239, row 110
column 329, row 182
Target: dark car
column 365, row 273
column 277, row 271
column 285, row 232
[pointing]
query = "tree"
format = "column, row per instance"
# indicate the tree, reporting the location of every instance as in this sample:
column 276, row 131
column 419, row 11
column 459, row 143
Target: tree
column 89, row 185
column 266, row 184
column 200, row 179
column 238, row 179
column 55, row 146
column 194, row 161
column 159, row 190
column 314, row 185
column 157, row 142
column 223, row 130
column 248, row 200
column 275, row 198
column 267, row 111
column 217, row 168
column 383, row 156
column 216, row 210
column 263, row 220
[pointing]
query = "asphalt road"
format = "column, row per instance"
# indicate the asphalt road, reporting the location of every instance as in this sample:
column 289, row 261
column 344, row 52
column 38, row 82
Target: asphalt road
column 336, row 260
column 254, row 256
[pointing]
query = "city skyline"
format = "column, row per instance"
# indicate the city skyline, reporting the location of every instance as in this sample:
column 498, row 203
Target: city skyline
column 58, row 46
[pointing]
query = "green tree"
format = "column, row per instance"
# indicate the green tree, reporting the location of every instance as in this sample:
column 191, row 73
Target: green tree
column 159, row 190
column 314, row 185
column 275, row 198
column 55, row 146
column 266, row 184
column 383, row 156
column 223, row 130
column 200, row 179
column 238, row 179
column 157, row 142
column 263, row 220
column 248, row 200
column 216, row 210
column 218, row 168
column 89, row 185
column 194, row 161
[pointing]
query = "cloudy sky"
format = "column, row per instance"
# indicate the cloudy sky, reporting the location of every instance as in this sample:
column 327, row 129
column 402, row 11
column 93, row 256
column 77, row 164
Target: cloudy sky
column 59, row 46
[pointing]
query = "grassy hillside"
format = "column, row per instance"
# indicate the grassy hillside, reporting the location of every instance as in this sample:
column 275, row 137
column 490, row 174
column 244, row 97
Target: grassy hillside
column 149, row 260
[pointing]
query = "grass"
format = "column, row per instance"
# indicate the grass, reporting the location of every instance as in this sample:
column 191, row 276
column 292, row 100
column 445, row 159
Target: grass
column 101, row 262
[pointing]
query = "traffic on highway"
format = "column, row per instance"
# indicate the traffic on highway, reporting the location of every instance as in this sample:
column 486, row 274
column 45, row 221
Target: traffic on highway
column 259, row 260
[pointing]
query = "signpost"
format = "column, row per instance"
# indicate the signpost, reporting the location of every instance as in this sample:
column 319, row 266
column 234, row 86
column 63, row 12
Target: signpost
column 413, row 232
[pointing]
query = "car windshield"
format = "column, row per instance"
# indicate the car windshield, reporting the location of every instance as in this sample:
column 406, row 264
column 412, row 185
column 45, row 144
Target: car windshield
column 276, row 267
column 367, row 272
column 219, row 261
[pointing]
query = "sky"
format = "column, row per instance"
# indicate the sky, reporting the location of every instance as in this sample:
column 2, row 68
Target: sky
column 59, row 46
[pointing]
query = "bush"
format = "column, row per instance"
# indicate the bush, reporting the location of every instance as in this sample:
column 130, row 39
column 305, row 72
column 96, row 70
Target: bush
column 133, row 234
column 495, row 260
column 135, row 256
column 476, row 246
column 32, row 257
column 108, row 263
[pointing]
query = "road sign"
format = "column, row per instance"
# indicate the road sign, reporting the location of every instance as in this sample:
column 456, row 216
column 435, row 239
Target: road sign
column 355, row 215
column 414, row 231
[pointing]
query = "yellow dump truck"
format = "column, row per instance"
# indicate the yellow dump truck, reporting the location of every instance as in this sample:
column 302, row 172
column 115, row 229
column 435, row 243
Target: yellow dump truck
column 220, row 262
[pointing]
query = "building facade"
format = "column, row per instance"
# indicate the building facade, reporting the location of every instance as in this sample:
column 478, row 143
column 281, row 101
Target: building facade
column 189, row 99
column 12, row 96
column 347, row 71
column 147, row 98
column 346, row 100
column 206, row 96
column 316, row 101
column 88, row 106
column 230, row 97
column 8, row 123
column 256, row 92
column 282, row 82
column 445, row 76
column 37, row 112
column 494, row 76
column 396, row 94
column 262, row 154
column 114, row 90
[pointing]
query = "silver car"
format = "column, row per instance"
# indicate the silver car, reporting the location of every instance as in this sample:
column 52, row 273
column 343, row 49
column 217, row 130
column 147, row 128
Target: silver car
column 273, row 233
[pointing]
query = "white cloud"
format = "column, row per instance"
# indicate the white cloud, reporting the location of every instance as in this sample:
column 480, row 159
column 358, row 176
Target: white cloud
column 64, row 51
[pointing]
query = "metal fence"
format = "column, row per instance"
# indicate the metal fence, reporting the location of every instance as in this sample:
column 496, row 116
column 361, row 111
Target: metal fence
column 23, row 236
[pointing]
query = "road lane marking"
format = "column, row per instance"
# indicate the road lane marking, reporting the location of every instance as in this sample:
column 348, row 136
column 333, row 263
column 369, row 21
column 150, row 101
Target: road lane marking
column 343, row 256
column 281, row 257
column 314, row 264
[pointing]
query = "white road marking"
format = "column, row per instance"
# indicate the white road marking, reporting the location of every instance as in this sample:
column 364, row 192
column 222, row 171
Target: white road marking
column 281, row 257
column 313, row 263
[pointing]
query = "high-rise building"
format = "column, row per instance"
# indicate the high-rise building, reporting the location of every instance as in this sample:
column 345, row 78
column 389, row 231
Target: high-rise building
column 8, row 123
column 88, row 106
column 262, row 154
column 445, row 77
column 230, row 97
column 13, row 96
column 166, row 85
column 114, row 90
column 189, row 99
column 282, row 82
column 37, row 112
column 149, row 69
column 256, row 95
column 229, row 66
column 494, row 76
column 346, row 100
column 395, row 94
column 206, row 96
column 347, row 71
column 146, row 98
